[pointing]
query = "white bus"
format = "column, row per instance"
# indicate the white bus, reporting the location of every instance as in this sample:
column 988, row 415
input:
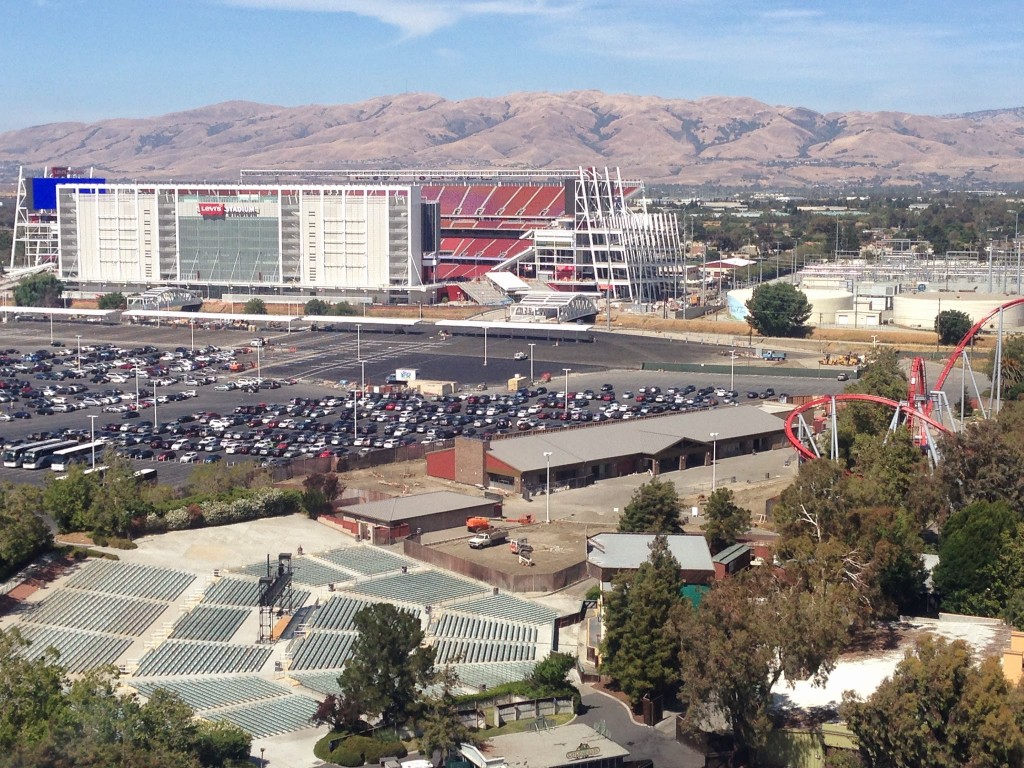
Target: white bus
column 78, row 454
column 13, row 454
column 40, row 457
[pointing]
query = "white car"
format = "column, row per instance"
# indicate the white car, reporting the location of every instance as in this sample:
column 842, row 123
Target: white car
column 189, row 458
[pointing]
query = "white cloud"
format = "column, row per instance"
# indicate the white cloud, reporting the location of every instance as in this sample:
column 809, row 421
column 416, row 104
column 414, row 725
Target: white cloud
column 416, row 18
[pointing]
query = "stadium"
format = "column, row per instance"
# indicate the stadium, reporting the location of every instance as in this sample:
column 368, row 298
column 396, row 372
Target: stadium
column 391, row 236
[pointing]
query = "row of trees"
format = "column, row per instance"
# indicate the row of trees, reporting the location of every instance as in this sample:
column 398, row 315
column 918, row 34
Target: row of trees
column 257, row 306
column 49, row 720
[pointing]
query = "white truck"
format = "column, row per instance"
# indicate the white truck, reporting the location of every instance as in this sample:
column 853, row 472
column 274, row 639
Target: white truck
column 488, row 538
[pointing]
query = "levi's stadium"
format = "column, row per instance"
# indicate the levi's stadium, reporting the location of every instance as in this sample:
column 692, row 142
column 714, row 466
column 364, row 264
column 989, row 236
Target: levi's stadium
column 390, row 237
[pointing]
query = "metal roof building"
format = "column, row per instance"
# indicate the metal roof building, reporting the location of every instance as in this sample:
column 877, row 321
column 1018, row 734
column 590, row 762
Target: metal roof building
column 426, row 511
column 581, row 455
column 610, row 553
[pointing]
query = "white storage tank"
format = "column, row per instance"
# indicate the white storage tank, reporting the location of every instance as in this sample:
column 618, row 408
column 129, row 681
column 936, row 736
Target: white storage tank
column 825, row 302
column 918, row 310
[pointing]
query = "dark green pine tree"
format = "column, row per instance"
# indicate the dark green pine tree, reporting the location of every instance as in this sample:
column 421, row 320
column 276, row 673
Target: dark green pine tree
column 654, row 508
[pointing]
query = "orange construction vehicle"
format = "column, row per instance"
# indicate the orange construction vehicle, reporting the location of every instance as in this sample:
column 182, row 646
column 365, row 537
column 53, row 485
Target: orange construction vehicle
column 475, row 524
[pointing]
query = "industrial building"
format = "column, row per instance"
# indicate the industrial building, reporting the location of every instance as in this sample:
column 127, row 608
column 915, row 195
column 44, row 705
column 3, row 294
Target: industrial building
column 578, row 456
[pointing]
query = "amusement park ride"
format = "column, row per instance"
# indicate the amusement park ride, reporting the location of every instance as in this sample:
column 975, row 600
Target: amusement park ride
column 925, row 412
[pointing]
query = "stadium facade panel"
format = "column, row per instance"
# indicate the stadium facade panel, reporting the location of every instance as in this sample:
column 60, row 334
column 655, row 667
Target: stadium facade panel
column 362, row 238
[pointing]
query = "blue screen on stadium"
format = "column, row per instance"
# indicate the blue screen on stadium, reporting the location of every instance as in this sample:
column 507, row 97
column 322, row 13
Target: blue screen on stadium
column 44, row 191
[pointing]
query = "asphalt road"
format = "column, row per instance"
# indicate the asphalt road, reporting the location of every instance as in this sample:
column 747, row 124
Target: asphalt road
column 641, row 741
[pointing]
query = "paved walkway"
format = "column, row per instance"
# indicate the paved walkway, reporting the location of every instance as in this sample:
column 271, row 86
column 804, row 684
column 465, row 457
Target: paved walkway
column 657, row 743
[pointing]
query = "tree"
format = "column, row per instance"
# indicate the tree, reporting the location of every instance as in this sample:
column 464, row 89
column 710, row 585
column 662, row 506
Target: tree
column 952, row 325
column 981, row 463
column 343, row 309
column 42, row 289
column 725, row 520
column 552, row 671
column 389, row 663
column 69, row 499
column 219, row 744
column 972, row 541
column 654, row 508
column 940, row 710
column 442, row 730
column 317, row 307
column 23, row 534
column 749, row 631
column 638, row 649
column 255, row 306
column 778, row 309
column 115, row 300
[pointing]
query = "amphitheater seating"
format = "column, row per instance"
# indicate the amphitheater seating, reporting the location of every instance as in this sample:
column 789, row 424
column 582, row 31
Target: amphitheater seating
column 506, row 608
column 321, row 682
column 212, row 692
column 337, row 613
column 317, row 574
column 366, row 560
column 322, row 650
column 134, row 580
column 422, row 588
column 270, row 717
column 493, row 674
column 231, row 591
column 475, row 628
column 453, row 650
column 98, row 612
column 208, row 622
column 79, row 651
column 181, row 657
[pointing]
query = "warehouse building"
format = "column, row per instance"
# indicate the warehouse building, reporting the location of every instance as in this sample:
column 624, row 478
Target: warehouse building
column 390, row 519
column 609, row 554
column 578, row 456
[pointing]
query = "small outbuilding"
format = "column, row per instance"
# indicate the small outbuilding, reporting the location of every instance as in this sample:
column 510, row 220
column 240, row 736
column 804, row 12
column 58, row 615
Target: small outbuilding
column 612, row 553
column 404, row 515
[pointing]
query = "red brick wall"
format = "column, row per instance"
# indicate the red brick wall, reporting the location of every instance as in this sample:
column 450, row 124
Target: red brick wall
column 441, row 464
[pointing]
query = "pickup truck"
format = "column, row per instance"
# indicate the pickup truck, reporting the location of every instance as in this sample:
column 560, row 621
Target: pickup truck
column 488, row 538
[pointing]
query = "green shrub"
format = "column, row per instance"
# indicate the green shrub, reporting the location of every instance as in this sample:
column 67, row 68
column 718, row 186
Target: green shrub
column 357, row 750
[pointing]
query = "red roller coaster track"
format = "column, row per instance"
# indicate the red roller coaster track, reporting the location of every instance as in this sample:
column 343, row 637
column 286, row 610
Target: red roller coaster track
column 918, row 419
column 807, row 453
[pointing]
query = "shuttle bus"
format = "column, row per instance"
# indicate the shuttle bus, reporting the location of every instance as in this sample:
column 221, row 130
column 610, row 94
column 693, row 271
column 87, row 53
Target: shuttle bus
column 78, row 454
column 40, row 457
column 13, row 454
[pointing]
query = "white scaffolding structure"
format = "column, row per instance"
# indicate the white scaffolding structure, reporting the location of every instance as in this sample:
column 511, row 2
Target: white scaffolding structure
column 36, row 238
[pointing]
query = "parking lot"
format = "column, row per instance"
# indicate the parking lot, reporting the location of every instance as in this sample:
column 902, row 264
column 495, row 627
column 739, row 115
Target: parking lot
column 302, row 405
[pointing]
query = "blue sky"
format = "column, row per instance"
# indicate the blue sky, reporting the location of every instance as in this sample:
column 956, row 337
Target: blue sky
column 86, row 60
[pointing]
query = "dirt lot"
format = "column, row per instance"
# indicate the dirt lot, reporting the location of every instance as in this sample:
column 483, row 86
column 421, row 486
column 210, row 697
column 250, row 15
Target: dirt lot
column 555, row 546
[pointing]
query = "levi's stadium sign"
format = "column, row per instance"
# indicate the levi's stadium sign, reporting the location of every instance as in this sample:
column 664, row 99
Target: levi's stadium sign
column 220, row 211
column 211, row 209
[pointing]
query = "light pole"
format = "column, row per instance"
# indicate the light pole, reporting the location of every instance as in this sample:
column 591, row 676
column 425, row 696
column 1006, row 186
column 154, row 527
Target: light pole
column 485, row 345
column 154, row 405
column 78, row 338
column 566, row 411
column 362, row 377
column 531, row 346
column 51, row 328
column 92, row 436
column 547, row 492
column 359, row 341
column 714, row 459
column 259, row 369
column 192, row 327
column 732, row 370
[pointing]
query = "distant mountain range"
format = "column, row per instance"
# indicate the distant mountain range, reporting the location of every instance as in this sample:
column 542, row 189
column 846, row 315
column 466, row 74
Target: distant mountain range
column 716, row 141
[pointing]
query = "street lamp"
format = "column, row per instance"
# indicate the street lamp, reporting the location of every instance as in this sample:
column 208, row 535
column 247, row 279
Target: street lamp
column 192, row 326
column 359, row 342
column 566, row 390
column 78, row 338
column 485, row 345
column 155, row 385
column 547, row 492
column 714, row 459
column 51, row 327
column 92, row 436
column 362, row 376
column 732, row 370
column 262, row 761
column 531, row 346
column 259, row 369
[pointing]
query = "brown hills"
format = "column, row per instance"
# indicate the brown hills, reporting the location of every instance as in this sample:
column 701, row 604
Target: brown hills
column 731, row 142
